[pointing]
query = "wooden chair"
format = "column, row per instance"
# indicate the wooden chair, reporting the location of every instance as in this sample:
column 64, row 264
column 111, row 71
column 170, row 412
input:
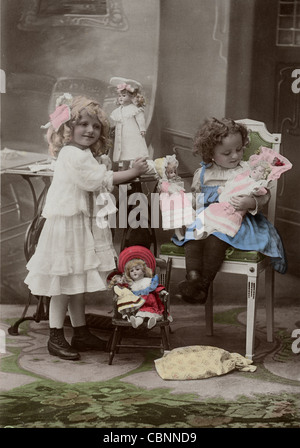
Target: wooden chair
column 89, row 87
column 123, row 329
column 248, row 263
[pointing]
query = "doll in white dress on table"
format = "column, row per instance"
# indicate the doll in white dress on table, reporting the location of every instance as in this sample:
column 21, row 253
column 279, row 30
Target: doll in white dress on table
column 130, row 123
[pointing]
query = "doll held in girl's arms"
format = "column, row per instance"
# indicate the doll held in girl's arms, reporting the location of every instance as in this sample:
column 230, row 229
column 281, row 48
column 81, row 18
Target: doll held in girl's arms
column 145, row 303
column 221, row 144
column 176, row 207
column 73, row 254
column 226, row 216
column 130, row 123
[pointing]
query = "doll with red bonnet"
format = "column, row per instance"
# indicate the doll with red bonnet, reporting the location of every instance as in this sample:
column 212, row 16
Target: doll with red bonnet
column 138, row 265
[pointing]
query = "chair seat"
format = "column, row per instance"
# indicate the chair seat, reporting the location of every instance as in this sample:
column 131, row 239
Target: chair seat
column 170, row 249
column 125, row 323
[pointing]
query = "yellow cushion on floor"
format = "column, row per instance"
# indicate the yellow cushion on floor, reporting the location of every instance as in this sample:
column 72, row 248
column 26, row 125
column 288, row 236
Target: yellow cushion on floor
column 199, row 362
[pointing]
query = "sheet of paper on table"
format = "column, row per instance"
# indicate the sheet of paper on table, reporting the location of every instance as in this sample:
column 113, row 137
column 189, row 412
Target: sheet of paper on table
column 11, row 158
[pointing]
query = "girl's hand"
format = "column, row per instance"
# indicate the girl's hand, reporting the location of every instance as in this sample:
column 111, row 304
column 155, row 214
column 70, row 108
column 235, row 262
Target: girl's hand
column 243, row 203
column 140, row 165
column 143, row 133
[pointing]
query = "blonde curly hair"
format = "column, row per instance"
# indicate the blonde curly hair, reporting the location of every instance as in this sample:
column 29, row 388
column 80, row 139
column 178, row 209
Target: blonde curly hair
column 137, row 261
column 63, row 136
column 266, row 167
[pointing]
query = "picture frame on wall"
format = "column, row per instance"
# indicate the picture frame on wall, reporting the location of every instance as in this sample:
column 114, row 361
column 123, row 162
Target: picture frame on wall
column 38, row 14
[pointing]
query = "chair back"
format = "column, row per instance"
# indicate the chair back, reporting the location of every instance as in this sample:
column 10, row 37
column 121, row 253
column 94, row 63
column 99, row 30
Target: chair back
column 89, row 87
column 260, row 136
column 163, row 270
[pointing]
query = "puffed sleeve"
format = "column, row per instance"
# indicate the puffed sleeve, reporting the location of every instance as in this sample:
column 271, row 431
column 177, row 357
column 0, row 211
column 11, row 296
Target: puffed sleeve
column 196, row 181
column 115, row 115
column 140, row 118
column 86, row 172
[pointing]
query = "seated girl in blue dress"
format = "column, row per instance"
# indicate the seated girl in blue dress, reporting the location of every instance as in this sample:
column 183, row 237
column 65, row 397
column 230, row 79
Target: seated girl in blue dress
column 221, row 144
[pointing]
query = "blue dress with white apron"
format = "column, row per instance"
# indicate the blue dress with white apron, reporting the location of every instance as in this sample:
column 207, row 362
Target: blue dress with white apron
column 256, row 232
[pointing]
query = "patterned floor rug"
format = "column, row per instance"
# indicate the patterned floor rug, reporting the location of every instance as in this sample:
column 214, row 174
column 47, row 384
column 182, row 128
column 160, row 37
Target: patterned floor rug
column 40, row 391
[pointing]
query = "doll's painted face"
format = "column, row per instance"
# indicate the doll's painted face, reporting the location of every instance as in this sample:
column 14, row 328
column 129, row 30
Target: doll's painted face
column 229, row 153
column 257, row 172
column 86, row 131
column 117, row 279
column 171, row 171
column 124, row 98
column 136, row 272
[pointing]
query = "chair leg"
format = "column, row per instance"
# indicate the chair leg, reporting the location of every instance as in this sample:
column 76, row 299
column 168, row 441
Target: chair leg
column 251, row 316
column 269, row 293
column 209, row 312
column 168, row 331
column 165, row 339
column 115, row 339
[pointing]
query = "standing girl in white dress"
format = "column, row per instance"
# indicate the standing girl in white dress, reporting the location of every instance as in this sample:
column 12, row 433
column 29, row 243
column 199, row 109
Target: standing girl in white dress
column 74, row 255
column 130, row 124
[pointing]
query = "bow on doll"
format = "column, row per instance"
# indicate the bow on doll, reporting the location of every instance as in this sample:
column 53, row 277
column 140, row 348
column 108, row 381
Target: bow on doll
column 125, row 86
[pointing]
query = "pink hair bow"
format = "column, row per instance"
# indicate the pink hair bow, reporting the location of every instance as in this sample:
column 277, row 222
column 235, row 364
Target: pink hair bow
column 125, row 86
column 61, row 115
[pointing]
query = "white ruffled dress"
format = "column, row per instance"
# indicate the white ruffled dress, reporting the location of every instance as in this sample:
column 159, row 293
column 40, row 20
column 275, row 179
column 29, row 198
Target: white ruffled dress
column 73, row 254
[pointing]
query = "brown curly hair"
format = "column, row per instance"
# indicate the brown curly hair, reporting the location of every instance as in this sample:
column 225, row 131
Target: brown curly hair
column 62, row 137
column 212, row 132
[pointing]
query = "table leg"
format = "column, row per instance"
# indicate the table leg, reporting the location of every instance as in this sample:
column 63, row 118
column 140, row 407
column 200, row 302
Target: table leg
column 31, row 239
column 42, row 313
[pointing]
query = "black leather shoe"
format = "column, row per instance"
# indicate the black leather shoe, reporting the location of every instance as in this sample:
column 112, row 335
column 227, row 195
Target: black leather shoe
column 196, row 298
column 58, row 346
column 192, row 290
column 83, row 340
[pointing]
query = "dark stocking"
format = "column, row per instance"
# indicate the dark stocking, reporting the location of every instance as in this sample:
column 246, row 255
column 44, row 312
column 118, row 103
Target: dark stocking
column 203, row 260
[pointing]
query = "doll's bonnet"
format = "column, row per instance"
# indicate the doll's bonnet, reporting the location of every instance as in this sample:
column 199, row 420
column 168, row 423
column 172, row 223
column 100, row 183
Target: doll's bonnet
column 162, row 163
column 278, row 163
column 136, row 253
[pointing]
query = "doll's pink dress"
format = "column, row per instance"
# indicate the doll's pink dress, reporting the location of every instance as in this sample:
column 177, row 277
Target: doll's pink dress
column 222, row 216
column 176, row 208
